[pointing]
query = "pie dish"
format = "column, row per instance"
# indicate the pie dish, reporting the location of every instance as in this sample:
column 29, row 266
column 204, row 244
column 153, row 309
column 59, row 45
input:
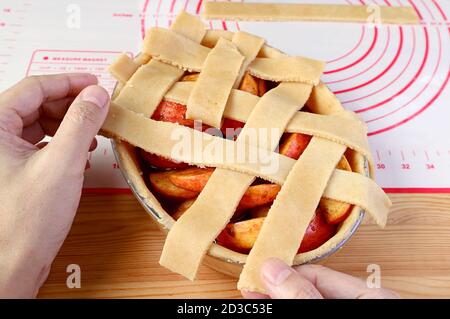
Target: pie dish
column 293, row 183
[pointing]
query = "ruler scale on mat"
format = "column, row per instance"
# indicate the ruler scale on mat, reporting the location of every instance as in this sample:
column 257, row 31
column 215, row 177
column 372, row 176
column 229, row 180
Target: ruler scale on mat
column 394, row 76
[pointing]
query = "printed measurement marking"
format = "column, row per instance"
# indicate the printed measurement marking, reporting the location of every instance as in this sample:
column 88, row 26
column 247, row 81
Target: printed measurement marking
column 414, row 153
column 378, row 156
column 403, row 155
column 426, row 156
column 57, row 61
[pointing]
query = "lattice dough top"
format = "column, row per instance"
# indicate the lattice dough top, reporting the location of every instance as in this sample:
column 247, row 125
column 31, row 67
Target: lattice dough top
column 212, row 75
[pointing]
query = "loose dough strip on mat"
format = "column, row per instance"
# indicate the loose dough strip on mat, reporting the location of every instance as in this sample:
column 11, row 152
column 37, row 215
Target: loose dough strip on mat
column 309, row 12
column 169, row 47
column 183, row 253
column 335, row 127
column 210, row 93
column 135, row 129
column 148, row 85
column 292, row 210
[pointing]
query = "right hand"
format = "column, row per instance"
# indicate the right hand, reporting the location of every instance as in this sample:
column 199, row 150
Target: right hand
column 313, row 282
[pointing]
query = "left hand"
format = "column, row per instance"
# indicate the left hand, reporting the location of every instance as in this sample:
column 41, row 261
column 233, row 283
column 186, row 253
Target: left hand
column 41, row 183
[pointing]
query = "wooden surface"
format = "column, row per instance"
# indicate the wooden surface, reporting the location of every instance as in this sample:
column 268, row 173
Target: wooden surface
column 117, row 247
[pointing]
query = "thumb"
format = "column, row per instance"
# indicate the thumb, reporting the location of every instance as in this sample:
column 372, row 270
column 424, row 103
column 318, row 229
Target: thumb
column 81, row 123
column 283, row 282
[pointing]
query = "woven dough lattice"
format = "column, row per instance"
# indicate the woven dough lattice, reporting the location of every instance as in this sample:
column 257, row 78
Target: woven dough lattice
column 222, row 58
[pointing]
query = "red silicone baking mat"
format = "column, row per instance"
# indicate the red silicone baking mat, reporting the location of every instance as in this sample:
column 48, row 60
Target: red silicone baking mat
column 394, row 77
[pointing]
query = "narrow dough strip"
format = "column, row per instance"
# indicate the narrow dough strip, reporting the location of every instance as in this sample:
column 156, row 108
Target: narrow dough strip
column 123, row 67
column 287, row 69
column 323, row 101
column 189, row 26
column 169, row 47
column 173, row 48
column 309, row 12
column 249, row 45
column 146, row 88
column 212, row 36
column 184, row 144
column 274, row 110
column 362, row 192
column 335, row 127
column 213, row 87
column 135, row 129
column 292, row 210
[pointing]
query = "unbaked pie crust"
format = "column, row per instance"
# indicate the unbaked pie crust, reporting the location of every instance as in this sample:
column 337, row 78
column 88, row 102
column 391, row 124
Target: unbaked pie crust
column 222, row 58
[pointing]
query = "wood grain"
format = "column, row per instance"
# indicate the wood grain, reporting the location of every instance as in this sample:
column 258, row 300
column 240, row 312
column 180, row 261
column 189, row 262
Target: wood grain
column 117, row 247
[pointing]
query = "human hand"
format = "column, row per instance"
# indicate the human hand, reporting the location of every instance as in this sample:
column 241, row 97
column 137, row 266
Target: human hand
column 313, row 282
column 41, row 183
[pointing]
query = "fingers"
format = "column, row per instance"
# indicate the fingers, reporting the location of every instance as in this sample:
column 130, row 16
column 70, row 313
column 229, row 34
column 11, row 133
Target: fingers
column 92, row 147
column 253, row 295
column 283, row 282
column 50, row 126
column 26, row 97
column 33, row 133
column 72, row 140
column 334, row 284
column 57, row 109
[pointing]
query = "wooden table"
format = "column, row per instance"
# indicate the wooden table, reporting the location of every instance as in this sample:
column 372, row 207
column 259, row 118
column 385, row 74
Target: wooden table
column 117, row 246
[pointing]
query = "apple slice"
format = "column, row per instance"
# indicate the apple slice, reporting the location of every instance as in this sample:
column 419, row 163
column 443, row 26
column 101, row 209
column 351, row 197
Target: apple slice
column 335, row 211
column 241, row 236
column 192, row 179
column 262, row 87
column 182, row 208
column 258, row 195
column 317, row 233
column 231, row 128
column 161, row 184
column 293, row 144
column 172, row 112
column 249, row 84
column 260, row 211
column 190, row 77
column 195, row 179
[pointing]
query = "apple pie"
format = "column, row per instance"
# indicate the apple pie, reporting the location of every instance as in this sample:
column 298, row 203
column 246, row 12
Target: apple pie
column 239, row 151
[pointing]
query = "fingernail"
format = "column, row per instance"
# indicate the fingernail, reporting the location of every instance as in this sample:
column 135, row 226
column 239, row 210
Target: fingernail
column 95, row 94
column 275, row 272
